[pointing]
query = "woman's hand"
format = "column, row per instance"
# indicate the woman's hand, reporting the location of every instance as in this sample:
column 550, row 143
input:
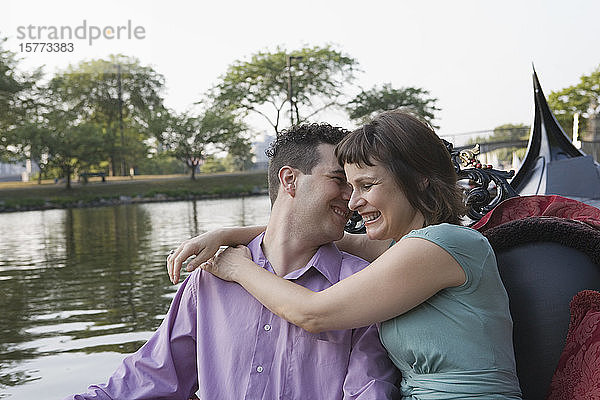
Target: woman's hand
column 206, row 245
column 203, row 247
column 227, row 262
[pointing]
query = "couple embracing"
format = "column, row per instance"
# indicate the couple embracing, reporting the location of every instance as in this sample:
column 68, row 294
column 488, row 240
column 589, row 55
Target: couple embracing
column 290, row 311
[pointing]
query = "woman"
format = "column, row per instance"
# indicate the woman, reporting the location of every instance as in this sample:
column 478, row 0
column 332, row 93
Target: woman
column 436, row 290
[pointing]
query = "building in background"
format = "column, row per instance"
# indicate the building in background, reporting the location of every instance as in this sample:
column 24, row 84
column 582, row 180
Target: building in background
column 17, row 172
column 261, row 161
column 590, row 143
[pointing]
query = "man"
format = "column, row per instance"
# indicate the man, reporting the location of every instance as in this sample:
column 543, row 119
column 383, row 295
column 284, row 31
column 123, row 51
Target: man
column 218, row 341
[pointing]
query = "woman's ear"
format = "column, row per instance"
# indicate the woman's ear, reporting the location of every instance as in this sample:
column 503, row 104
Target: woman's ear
column 287, row 180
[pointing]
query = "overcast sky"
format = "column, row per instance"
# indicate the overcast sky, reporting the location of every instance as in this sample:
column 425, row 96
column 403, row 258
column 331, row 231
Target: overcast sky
column 474, row 56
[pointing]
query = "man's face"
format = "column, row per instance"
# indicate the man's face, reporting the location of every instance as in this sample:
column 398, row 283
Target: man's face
column 322, row 198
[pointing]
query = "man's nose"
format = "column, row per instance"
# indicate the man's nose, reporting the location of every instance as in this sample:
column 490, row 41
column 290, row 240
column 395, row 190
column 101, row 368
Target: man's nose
column 346, row 192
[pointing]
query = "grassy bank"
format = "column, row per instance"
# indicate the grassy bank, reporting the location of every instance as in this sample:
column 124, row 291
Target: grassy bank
column 20, row 196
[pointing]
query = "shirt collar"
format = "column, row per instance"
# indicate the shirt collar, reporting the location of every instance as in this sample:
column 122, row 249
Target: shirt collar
column 327, row 260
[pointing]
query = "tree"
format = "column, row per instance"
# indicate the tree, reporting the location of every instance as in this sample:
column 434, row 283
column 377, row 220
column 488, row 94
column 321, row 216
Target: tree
column 119, row 95
column 54, row 136
column 510, row 132
column 213, row 165
column 506, row 133
column 72, row 144
column 261, row 84
column 583, row 98
column 368, row 103
column 192, row 138
column 18, row 103
column 239, row 154
column 161, row 163
column 29, row 141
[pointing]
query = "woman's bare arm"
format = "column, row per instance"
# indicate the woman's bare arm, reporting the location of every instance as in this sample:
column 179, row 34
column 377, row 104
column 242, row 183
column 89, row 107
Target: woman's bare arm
column 361, row 246
column 407, row 274
column 205, row 246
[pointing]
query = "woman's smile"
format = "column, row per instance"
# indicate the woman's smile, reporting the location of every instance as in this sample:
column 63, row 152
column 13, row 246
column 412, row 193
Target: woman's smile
column 385, row 210
column 370, row 217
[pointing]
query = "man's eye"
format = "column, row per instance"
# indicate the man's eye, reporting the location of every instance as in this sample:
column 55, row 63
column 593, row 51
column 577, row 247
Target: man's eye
column 367, row 186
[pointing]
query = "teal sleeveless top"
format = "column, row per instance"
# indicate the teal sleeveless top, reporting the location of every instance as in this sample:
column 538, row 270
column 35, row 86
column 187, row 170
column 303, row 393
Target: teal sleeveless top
column 457, row 344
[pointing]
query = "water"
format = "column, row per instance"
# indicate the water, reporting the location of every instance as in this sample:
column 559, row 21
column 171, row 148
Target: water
column 81, row 288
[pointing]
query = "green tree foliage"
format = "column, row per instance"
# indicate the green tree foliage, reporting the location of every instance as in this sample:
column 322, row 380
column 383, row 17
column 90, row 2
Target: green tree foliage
column 506, row 134
column 239, row 154
column 509, row 132
column 91, row 91
column 368, row 103
column 213, row 165
column 30, row 140
column 192, row 138
column 160, row 164
column 229, row 163
column 260, row 84
column 102, row 114
column 583, row 98
column 71, row 144
column 18, row 103
column 15, row 89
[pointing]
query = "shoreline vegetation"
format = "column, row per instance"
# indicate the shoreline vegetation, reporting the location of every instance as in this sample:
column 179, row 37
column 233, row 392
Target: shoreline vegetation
column 29, row 196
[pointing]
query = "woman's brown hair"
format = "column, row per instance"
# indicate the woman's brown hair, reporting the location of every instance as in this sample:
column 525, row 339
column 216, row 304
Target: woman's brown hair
column 416, row 157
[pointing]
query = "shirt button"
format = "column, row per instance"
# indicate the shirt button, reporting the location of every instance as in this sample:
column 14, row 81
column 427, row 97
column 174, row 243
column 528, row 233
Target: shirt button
column 267, row 327
column 259, row 369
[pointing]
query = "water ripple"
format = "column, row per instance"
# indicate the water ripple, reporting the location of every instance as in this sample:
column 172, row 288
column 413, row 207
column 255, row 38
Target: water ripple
column 82, row 287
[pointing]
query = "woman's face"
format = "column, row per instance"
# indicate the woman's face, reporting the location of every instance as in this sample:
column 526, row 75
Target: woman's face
column 384, row 208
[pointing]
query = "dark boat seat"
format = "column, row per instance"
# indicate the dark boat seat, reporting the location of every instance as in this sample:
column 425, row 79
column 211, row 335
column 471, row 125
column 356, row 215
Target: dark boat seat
column 543, row 262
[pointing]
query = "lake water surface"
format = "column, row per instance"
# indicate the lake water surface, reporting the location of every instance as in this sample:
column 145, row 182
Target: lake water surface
column 82, row 288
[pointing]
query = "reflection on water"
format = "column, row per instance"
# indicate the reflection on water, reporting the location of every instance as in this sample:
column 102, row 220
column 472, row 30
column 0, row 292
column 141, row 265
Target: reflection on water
column 80, row 288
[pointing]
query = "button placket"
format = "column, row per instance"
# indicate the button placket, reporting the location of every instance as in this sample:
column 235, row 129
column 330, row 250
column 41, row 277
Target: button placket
column 262, row 358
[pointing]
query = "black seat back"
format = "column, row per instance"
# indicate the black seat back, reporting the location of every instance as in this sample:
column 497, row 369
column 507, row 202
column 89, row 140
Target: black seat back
column 543, row 262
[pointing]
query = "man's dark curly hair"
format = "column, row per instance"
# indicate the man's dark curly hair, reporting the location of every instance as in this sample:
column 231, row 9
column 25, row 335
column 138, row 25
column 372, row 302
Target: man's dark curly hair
column 297, row 147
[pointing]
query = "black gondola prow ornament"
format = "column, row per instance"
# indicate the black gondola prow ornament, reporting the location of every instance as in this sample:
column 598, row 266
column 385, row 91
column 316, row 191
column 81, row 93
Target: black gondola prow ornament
column 480, row 197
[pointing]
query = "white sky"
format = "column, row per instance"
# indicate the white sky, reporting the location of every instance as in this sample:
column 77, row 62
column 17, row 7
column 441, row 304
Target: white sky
column 474, row 56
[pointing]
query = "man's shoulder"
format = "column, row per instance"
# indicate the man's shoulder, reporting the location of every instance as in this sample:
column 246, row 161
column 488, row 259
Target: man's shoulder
column 200, row 284
column 200, row 277
column 351, row 264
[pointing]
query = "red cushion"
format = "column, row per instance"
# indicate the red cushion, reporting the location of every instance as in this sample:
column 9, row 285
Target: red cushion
column 539, row 205
column 577, row 375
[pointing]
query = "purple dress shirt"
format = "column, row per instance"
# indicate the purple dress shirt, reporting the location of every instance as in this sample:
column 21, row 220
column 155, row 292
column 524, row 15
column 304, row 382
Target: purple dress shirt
column 218, row 341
